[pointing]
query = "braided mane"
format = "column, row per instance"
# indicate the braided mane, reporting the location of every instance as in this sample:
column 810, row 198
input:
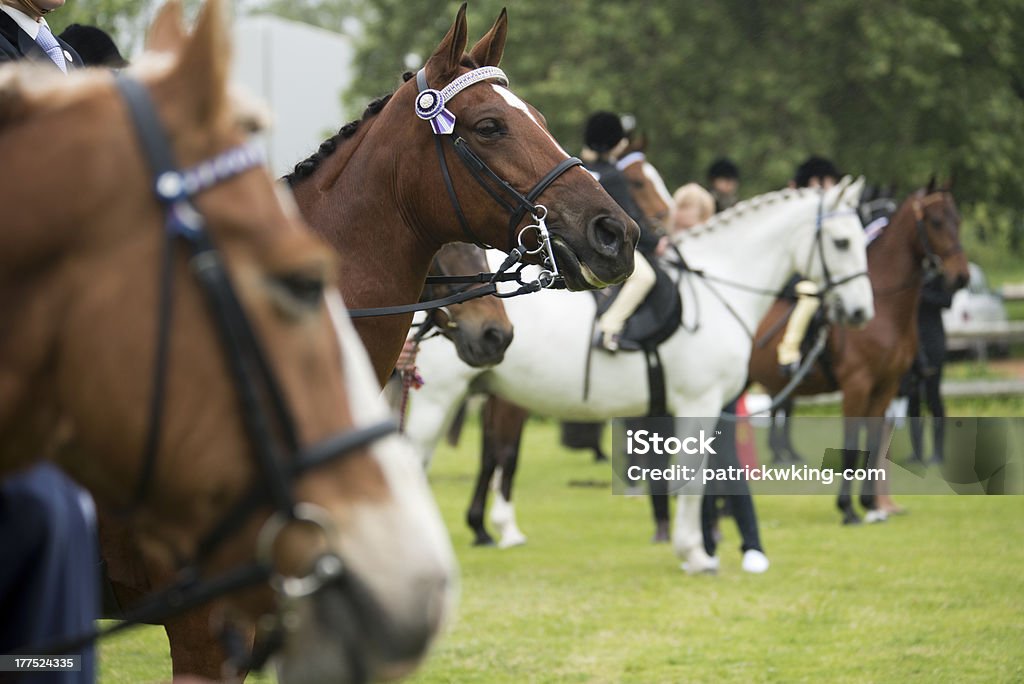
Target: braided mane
column 740, row 208
column 306, row 167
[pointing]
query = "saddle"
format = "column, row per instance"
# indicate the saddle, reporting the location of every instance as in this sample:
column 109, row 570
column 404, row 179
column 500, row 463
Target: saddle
column 655, row 319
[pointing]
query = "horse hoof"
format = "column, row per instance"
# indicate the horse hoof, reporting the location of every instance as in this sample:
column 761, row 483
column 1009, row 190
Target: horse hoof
column 710, row 567
column 486, row 540
column 875, row 516
column 510, row 540
column 851, row 518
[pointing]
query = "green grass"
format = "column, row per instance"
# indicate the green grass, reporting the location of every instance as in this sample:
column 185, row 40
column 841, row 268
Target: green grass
column 934, row 596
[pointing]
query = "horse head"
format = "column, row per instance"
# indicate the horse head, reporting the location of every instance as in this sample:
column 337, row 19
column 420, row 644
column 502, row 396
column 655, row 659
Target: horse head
column 190, row 320
column 479, row 328
column 645, row 184
column 837, row 255
column 502, row 162
column 937, row 221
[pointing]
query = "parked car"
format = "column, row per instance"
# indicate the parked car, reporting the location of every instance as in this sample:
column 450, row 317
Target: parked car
column 974, row 306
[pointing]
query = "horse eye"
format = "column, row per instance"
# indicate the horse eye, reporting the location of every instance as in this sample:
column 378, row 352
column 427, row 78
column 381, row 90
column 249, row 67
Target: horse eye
column 489, row 128
column 842, row 244
column 935, row 223
column 305, row 289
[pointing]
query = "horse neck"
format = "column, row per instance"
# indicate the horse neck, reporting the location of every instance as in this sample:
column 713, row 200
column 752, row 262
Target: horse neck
column 754, row 248
column 352, row 201
column 895, row 271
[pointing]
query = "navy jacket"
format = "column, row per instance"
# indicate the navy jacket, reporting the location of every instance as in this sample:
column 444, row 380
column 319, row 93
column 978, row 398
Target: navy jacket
column 15, row 45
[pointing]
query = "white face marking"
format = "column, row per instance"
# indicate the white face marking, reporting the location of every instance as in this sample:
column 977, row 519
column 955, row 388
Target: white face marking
column 513, row 100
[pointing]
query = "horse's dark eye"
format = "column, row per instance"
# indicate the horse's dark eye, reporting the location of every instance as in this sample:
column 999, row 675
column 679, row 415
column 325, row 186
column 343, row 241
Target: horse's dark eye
column 935, row 223
column 842, row 244
column 489, row 128
column 304, row 288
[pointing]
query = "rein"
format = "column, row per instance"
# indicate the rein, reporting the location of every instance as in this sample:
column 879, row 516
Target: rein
column 267, row 419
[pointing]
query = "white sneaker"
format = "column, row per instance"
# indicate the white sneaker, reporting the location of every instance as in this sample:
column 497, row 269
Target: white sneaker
column 755, row 561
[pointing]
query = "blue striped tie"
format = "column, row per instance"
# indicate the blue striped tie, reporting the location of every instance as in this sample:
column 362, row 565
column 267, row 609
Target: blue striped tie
column 46, row 41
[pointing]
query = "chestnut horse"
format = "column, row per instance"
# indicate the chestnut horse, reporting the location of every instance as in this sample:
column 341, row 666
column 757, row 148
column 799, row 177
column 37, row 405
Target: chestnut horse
column 182, row 422
column 377, row 192
column 867, row 364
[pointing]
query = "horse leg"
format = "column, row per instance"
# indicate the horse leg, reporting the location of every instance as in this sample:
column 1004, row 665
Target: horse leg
column 868, row 497
column 776, row 435
column 787, row 432
column 688, row 535
column 505, row 423
column 851, row 442
column 478, row 503
column 195, row 650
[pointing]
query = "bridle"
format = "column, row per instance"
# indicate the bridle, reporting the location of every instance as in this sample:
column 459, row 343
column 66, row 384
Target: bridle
column 932, row 259
column 830, row 283
column 819, row 242
column 267, row 419
column 931, row 262
column 431, row 106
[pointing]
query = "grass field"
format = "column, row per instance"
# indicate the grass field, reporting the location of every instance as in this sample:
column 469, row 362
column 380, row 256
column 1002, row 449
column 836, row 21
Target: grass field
column 933, row 596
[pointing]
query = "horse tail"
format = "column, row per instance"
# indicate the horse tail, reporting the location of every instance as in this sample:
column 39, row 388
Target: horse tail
column 455, row 429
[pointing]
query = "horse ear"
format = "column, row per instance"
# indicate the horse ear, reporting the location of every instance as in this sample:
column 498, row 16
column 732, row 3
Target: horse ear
column 931, row 185
column 204, row 61
column 443, row 64
column 488, row 51
column 842, row 189
column 167, row 33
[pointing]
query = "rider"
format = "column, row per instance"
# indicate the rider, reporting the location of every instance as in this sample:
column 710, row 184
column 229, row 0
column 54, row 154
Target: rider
column 815, row 172
column 724, row 182
column 605, row 139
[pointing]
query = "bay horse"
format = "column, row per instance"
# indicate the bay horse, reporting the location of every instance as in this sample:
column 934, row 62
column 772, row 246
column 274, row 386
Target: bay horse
column 757, row 243
column 479, row 328
column 867, row 364
column 387, row 191
column 191, row 426
column 377, row 191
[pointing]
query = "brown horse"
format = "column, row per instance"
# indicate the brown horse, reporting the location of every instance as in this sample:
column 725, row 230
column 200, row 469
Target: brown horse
column 867, row 364
column 376, row 192
column 479, row 328
column 80, row 262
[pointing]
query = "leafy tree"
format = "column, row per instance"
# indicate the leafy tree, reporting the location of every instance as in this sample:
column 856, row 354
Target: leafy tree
column 897, row 90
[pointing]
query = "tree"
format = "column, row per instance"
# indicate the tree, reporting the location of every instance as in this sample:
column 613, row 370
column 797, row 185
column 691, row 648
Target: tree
column 895, row 90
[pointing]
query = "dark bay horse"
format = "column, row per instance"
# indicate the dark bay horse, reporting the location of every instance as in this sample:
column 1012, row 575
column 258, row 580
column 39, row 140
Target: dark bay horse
column 867, row 364
column 258, row 360
column 377, row 193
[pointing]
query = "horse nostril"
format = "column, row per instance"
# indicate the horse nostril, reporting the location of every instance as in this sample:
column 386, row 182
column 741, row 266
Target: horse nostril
column 495, row 338
column 857, row 317
column 607, row 235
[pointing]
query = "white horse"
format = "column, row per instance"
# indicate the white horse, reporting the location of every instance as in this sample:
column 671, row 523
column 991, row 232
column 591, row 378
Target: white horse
column 758, row 243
